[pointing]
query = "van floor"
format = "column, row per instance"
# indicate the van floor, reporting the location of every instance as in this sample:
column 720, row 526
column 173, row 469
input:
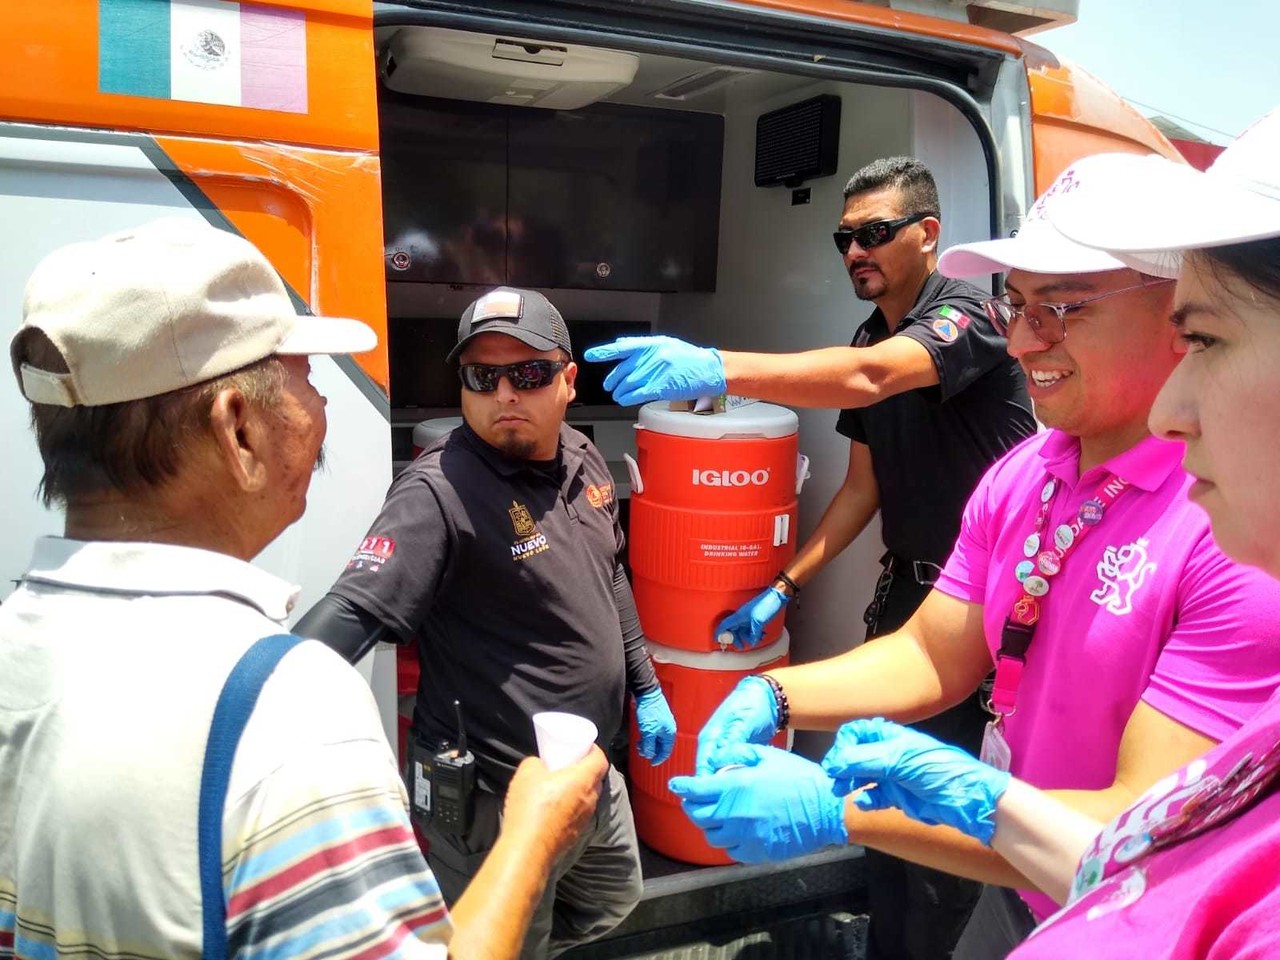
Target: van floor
column 834, row 935
column 811, row 907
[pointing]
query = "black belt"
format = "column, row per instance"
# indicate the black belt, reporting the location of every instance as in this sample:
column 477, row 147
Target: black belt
column 922, row 571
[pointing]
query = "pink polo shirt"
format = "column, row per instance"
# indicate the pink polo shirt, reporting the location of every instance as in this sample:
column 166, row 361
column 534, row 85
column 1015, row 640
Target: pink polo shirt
column 1145, row 608
column 1206, row 888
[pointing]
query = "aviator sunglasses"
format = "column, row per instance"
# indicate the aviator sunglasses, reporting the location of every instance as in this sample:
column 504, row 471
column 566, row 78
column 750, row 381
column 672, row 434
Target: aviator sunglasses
column 525, row 375
column 875, row 234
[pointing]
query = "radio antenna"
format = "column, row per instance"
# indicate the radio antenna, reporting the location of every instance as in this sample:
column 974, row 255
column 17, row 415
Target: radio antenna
column 462, row 730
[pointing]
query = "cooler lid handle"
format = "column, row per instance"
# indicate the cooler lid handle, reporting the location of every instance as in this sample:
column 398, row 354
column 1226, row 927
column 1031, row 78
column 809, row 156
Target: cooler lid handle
column 633, row 470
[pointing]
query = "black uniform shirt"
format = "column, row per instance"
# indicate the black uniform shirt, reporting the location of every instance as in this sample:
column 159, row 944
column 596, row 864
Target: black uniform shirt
column 504, row 570
column 931, row 446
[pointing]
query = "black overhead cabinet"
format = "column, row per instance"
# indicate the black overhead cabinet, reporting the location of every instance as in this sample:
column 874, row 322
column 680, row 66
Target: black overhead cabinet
column 607, row 197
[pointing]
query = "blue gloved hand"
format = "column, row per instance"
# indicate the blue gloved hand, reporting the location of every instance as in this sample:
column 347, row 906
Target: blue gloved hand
column 776, row 807
column 657, row 726
column 926, row 779
column 749, row 714
column 746, row 624
column 659, row 368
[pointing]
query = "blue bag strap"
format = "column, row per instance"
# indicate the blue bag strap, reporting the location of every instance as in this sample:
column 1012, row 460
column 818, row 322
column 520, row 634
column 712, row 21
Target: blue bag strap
column 235, row 706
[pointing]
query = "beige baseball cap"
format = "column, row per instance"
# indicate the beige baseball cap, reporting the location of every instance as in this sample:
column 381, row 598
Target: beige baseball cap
column 160, row 307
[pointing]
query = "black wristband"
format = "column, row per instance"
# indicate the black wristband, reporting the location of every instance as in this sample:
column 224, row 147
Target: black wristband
column 795, row 587
column 780, row 698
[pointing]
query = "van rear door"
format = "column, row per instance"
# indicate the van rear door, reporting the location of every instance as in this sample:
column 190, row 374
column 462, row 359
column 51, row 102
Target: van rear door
column 259, row 119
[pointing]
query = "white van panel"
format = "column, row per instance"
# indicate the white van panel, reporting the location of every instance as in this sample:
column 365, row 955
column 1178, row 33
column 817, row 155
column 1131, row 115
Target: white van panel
column 947, row 144
column 58, row 191
column 55, row 192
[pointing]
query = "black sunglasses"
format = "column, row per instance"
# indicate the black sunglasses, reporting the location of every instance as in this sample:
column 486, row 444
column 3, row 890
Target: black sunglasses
column 875, row 234
column 525, row 375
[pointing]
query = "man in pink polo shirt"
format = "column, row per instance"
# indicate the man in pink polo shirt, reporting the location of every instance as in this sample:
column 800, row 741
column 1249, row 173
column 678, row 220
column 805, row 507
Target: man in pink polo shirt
column 1127, row 643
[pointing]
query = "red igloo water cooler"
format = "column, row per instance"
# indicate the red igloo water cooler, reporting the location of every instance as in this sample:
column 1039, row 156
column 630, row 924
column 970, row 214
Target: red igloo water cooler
column 694, row 685
column 713, row 516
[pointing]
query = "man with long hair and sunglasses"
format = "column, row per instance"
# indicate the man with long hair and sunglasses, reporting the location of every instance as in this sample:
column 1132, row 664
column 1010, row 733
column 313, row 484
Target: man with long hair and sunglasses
column 497, row 552
column 930, row 399
column 1124, row 642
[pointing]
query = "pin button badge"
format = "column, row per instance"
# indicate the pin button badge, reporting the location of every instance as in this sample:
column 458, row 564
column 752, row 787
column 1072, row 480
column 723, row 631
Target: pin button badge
column 1046, row 492
column 1091, row 512
column 1133, row 848
column 1048, row 563
column 1026, row 611
column 1088, row 876
column 1064, row 536
column 1036, row 586
column 1031, row 546
column 1023, row 570
column 1127, row 889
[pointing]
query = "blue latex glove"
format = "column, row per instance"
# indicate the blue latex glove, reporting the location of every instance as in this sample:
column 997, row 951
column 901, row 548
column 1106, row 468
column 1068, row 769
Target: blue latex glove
column 657, row 726
column 776, row 807
column 926, row 779
column 749, row 714
column 659, row 368
column 746, row 625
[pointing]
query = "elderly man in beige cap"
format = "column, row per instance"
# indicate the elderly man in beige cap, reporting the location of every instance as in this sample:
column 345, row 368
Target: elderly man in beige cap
column 168, row 376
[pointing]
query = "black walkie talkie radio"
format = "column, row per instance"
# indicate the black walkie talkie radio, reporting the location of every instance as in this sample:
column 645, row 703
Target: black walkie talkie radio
column 453, row 784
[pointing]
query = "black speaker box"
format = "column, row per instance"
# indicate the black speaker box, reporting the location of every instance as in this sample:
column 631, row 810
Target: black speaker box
column 798, row 142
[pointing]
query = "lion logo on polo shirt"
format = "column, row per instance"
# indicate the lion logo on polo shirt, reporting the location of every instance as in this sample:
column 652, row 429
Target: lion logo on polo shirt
column 529, row 540
column 1121, row 572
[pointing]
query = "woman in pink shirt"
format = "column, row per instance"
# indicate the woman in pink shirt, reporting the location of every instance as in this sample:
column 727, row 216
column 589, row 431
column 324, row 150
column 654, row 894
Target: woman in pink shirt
column 1192, row 869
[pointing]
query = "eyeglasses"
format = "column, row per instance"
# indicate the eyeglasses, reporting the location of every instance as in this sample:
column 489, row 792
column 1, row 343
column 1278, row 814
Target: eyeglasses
column 1003, row 313
column 525, row 375
column 875, row 234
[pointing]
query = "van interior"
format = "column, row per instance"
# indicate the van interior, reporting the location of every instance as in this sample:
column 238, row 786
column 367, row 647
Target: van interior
column 643, row 193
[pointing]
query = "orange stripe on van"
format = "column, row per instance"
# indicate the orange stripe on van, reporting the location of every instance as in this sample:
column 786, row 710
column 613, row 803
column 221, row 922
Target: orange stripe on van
column 1074, row 115
column 315, row 214
column 49, row 74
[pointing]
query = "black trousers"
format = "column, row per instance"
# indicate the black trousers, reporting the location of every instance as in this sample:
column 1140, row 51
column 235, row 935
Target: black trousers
column 918, row 913
column 1000, row 922
column 592, row 888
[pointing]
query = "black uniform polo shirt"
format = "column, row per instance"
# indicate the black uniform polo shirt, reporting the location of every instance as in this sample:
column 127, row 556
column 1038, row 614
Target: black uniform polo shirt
column 931, row 446
column 503, row 570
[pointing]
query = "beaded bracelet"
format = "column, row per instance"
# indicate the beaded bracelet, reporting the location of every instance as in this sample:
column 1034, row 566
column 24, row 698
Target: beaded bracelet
column 795, row 587
column 780, row 698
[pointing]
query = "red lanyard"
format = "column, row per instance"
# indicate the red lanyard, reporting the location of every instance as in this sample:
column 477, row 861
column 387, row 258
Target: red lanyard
column 1043, row 561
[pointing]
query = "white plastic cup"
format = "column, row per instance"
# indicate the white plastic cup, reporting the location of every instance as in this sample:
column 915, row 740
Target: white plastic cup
column 563, row 738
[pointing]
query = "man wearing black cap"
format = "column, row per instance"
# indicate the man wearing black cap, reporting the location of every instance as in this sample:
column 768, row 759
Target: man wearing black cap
column 497, row 551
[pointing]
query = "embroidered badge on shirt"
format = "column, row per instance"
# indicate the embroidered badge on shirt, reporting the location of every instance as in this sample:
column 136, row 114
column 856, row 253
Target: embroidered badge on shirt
column 372, row 553
column 958, row 317
column 946, row 330
column 1122, row 571
column 600, row 496
column 529, row 541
